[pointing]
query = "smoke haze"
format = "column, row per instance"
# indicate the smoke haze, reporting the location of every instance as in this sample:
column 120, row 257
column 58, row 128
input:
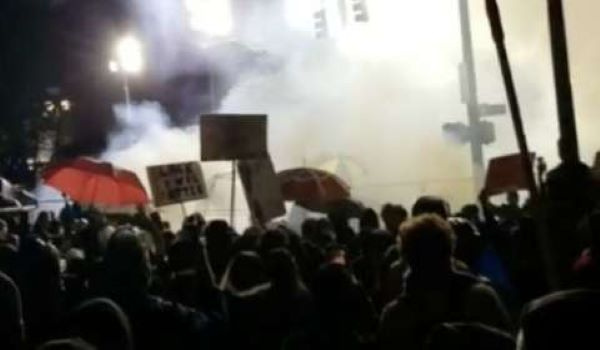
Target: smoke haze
column 374, row 95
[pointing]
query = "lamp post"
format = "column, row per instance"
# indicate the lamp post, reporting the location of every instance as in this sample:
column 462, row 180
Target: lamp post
column 128, row 60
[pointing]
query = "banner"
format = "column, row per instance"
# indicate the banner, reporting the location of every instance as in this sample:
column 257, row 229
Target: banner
column 176, row 183
column 233, row 136
column 262, row 188
column 506, row 174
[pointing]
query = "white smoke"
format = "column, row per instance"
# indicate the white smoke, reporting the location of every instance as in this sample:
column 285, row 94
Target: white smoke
column 145, row 137
column 374, row 93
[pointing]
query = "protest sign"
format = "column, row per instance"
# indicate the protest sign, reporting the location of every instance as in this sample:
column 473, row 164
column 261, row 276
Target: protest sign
column 506, row 174
column 176, row 183
column 233, row 136
column 262, row 188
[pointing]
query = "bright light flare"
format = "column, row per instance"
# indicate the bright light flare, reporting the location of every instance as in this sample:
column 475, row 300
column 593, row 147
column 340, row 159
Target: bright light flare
column 49, row 106
column 211, row 17
column 113, row 66
column 129, row 56
column 65, row 105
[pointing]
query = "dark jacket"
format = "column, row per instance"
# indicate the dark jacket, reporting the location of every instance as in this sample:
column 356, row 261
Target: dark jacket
column 458, row 297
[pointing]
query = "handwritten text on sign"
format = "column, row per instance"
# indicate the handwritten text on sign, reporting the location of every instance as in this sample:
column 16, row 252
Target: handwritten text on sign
column 176, row 183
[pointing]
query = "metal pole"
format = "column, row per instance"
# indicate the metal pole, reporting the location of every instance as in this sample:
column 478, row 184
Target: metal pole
column 515, row 112
column 211, row 91
column 232, row 202
column 127, row 94
column 183, row 210
column 471, row 95
column 560, row 64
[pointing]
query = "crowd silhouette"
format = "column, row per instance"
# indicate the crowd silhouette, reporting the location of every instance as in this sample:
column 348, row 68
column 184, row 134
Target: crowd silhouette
column 431, row 279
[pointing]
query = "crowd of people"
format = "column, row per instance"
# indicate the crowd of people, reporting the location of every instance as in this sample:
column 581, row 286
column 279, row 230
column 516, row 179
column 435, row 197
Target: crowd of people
column 424, row 279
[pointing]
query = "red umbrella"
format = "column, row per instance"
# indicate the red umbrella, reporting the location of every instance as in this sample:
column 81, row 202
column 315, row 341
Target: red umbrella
column 90, row 182
column 312, row 188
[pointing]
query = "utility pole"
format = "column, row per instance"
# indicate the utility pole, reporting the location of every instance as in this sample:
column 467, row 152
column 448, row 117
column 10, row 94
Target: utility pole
column 477, row 132
column 560, row 63
column 469, row 83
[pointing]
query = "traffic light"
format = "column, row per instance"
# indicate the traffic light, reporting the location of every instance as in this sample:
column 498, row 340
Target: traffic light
column 484, row 132
column 361, row 13
column 457, row 132
column 321, row 29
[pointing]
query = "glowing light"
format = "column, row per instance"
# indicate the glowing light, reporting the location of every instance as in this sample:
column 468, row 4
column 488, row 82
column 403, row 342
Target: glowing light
column 65, row 105
column 49, row 106
column 211, row 17
column 129, row 55
column 113, row 66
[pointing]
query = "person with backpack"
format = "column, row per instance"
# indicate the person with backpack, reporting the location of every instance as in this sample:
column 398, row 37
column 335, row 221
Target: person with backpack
column 434, row 292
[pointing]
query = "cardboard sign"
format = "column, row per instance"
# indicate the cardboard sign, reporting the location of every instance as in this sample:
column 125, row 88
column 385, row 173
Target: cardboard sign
column 233, row 136
column 263, row 192
column 506, row 174
column 176, row 183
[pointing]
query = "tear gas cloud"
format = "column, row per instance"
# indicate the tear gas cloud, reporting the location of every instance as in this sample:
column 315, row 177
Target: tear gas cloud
column 368, row 101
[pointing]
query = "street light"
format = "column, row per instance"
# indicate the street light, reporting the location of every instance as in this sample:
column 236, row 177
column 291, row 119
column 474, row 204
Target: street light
column 129, row 54
column 128, row 60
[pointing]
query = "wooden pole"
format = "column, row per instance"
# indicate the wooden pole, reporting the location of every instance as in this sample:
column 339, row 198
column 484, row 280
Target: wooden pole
column 562, row 80
column 233, row 189
column 183, row 210
column 513, row 102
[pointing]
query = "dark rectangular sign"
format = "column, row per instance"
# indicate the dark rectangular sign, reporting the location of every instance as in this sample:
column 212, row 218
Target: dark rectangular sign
column 233, row 136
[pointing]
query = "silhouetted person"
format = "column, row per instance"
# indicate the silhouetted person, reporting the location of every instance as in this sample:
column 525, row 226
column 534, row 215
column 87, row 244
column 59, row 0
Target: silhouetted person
column 511, row 210
column 69, row 213
column 273, row 239
column 249, row 240
column 587, row 267
column 41, row 227
column 313, row 254
column 219, row 245
column 572, row 194
column 468, row 244
column 187, row 249
column 289, row 305
column 155, row 322
column 562, row 320
column 571, row 182
column 393, row 215
column 12, row 330
column 434, row 292
column 528, row 264
column 245, row 271
column 152, row 225
column 75, row 278
column 468, row 336
column 369, row 266
column 40, row 286
column 431, row 205
column 192, row 281
column 8, row 251
column 101, row 323
column 369, row 220
column 339, row 220
column 472, row 213
column 345, row 319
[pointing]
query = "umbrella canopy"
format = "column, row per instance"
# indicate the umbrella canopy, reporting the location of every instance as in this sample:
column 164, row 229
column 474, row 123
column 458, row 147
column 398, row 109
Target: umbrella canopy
column 88, row 181
column 345, row 167
column 312, row 189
